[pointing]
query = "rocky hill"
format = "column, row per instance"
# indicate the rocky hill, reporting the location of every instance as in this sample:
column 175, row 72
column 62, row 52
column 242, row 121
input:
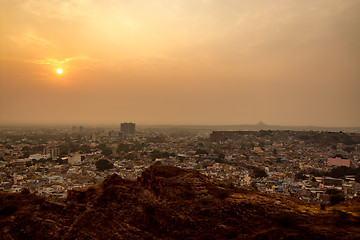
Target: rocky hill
column 172, row 203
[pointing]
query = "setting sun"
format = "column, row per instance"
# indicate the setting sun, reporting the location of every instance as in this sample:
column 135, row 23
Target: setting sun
column 222, row 54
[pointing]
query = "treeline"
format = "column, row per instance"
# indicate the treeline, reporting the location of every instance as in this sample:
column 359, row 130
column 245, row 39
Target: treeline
column 329, row 138
column 337, row 172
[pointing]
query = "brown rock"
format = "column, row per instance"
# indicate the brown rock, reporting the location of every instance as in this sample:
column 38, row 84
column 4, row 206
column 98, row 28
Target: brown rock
column 171, row 203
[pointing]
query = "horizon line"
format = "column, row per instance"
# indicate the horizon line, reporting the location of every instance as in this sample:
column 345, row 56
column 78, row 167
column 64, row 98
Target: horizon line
column 168, row 124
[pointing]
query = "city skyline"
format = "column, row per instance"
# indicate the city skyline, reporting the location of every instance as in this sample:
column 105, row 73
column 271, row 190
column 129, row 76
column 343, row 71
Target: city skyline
column 204, row 62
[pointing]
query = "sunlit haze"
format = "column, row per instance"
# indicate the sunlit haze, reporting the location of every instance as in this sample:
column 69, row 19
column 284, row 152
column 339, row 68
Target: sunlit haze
column 283, row 62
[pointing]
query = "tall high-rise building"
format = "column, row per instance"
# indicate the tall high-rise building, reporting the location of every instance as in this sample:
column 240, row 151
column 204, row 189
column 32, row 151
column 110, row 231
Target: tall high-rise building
column 51, row 151
column 127, row 128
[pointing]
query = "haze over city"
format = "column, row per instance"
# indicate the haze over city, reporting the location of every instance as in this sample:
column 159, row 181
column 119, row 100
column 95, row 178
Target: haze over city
column 285, row 62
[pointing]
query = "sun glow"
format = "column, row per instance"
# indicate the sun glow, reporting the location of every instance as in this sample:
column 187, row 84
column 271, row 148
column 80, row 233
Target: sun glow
column 59, row 71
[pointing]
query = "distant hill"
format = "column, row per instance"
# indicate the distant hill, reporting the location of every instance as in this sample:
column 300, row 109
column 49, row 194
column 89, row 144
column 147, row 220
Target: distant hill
column 172, row 203
column 249, row 127
column 320, row 138
column 240, row 127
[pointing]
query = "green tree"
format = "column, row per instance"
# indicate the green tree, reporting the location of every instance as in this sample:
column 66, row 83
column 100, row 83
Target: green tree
column 259, row 173
column 300, row 176
column 28, row 163
column 357, row 177
column 123, row 147
column 340, row 172
column 38, row 148
column 26, row 149
column 201, row 151
column 101, row 146
column 103, row 164
column 317, row 173
column 137, row 146
column 338, row 155
column 8, row 146
column 64, row 149
column 74, row 147
column 130, row 156
column 85, row 148
column 349, row 149
column 107, row 151
column 336, row 196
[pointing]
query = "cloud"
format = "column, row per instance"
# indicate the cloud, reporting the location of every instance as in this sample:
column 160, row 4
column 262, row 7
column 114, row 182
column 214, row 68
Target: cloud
column 64, row 9
column 51, row 61
column 184, row 55
column 31, row 39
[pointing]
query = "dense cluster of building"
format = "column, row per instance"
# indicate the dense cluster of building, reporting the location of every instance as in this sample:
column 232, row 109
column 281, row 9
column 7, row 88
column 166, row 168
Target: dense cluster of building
column 51, row 161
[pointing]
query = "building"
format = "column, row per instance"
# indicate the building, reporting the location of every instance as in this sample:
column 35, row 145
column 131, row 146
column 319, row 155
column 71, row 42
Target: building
column 52, row 151
column 328, row 181
column 75, row 158
column 38, row 156
column 116, row 134
column 127, row 128
column 338, row 162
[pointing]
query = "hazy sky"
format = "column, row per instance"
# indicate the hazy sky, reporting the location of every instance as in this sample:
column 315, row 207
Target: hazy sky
column 288, row 62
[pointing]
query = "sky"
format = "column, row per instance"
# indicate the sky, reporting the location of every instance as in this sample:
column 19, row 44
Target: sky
column 283, row 62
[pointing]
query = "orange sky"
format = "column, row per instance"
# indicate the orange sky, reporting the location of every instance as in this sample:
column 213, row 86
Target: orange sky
column 287, row 62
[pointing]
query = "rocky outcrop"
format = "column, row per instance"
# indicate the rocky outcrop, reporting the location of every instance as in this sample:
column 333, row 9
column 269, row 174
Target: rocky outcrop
column 171, row 203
